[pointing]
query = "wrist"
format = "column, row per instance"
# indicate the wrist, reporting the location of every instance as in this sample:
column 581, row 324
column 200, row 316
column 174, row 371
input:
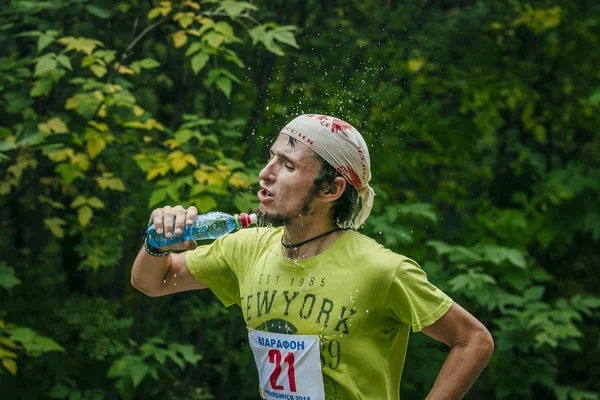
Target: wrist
column 153, row 251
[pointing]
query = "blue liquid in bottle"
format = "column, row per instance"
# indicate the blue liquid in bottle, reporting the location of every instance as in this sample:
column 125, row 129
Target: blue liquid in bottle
column 212, row 225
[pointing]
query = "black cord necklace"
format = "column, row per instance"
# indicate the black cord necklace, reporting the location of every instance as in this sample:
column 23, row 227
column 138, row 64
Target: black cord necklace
column 290, row 246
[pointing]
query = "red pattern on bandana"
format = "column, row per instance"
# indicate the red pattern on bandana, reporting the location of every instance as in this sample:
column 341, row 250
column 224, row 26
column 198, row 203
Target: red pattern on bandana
column 339, row 125
column 351, row 176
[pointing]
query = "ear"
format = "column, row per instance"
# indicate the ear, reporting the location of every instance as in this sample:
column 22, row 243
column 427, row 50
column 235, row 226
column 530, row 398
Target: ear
column 335, row 190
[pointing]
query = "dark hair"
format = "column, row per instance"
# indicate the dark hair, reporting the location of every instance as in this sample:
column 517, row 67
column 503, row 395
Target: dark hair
column 344, row 208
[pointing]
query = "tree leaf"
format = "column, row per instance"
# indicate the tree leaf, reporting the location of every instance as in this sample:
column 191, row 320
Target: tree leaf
column 41, row 87
column 160, row 168
column 68, row 172
column 194, row 47
column 595, row 97
column 224, row 28
column 149, row 63
column 173, row 193
column 99, row 12
column 246, row 202
column 204, row 203
column 44, row 41
column 80, row 44
column 534, row 293
column 420, row 209
column 258, row 34
column 540, row 275
column 186, row 21
column 233, row 8
column 55, row 226
column 44, row 65
column 79, row 201
column 176, row 359
column 138, row 373
column 440, row 247
column 187, row 351
column 95, row 145
column 179, row 38
column 84, row 215
column 64, row 61
column 98, row 70
column 178, row 164
column 224, row 84
column 199, row 61
column 214, row 39
column 157, row 197
column 191, row 159
column 8, row 279
column 95, row 202
column 286, row 37
column 233, row 57
column 57, row 125
column 107, row 181
column 516, row 258
column 10, row 365
column 59, row 391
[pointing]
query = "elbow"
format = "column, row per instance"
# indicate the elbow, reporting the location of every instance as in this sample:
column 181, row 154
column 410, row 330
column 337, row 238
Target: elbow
column 485, row 343
column 149, row 293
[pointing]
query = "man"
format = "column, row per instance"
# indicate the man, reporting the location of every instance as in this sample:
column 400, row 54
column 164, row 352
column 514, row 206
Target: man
column 328, row 310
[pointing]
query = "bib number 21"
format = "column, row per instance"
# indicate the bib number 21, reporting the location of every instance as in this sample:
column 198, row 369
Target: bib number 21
column 289, row 366
column 275, row 358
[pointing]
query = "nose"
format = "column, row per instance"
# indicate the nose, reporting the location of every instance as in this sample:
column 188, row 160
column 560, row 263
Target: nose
column 267, row 173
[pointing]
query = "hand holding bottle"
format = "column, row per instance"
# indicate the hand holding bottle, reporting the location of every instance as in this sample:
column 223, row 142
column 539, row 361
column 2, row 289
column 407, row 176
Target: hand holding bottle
column 172, row 221
column 212, row 225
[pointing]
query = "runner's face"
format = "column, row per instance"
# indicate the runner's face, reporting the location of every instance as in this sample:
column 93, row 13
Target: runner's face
column 286, row 181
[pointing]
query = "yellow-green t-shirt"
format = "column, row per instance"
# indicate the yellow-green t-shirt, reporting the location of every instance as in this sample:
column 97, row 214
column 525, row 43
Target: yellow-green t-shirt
column 360, row 298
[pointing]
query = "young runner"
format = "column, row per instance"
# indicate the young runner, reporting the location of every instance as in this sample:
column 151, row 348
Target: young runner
column 328, row 310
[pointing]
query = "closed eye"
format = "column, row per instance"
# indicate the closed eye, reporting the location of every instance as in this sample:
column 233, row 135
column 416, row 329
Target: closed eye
column 282, row 159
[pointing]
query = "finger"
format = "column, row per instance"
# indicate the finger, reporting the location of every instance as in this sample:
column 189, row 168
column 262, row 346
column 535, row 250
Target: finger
column 168, row 218
column 179, row 221
column 157, row 219
column 192, row 213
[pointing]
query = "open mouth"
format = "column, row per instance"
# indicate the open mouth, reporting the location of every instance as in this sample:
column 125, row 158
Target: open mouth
column 264, row 194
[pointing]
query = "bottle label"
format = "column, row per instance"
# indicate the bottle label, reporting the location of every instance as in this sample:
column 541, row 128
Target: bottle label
column 289, row 366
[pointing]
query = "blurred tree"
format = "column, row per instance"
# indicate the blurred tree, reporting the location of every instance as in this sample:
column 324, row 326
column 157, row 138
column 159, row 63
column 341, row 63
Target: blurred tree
column 483, row 123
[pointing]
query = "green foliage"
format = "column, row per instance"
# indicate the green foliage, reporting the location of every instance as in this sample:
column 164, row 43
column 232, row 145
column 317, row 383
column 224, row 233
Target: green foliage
column 482, row 120
column 7, row 277
column 151, row 360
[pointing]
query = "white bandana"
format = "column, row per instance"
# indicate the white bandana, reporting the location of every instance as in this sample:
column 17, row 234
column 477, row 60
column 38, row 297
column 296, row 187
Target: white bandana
column 342, row 146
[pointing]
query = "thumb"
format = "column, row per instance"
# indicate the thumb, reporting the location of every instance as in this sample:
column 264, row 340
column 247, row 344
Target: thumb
column 189, row 245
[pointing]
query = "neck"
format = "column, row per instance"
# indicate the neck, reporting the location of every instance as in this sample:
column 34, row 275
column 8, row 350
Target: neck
column 303, row 230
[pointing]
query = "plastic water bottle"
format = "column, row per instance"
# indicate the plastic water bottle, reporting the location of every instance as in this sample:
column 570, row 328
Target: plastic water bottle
column 206, row 226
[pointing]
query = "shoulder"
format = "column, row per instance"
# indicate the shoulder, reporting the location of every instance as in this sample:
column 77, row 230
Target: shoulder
column 368, row 252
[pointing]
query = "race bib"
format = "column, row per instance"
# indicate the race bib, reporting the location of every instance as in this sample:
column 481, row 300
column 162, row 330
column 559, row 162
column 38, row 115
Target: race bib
column 289, row 366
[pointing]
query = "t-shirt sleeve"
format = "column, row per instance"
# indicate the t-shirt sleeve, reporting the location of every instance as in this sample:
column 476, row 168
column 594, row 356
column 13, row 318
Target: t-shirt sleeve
column 413, row 300
column 210, row 264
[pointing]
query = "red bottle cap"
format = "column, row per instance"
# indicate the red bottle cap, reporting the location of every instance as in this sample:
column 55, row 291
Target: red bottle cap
column 247, row 219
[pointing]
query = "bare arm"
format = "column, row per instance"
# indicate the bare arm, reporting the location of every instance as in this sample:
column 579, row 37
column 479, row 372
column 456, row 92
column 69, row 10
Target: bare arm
column 159, row 276
column 471, row 348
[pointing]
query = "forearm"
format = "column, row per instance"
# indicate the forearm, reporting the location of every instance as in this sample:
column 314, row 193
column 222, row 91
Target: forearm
column 148, row 272
column 462, row 367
